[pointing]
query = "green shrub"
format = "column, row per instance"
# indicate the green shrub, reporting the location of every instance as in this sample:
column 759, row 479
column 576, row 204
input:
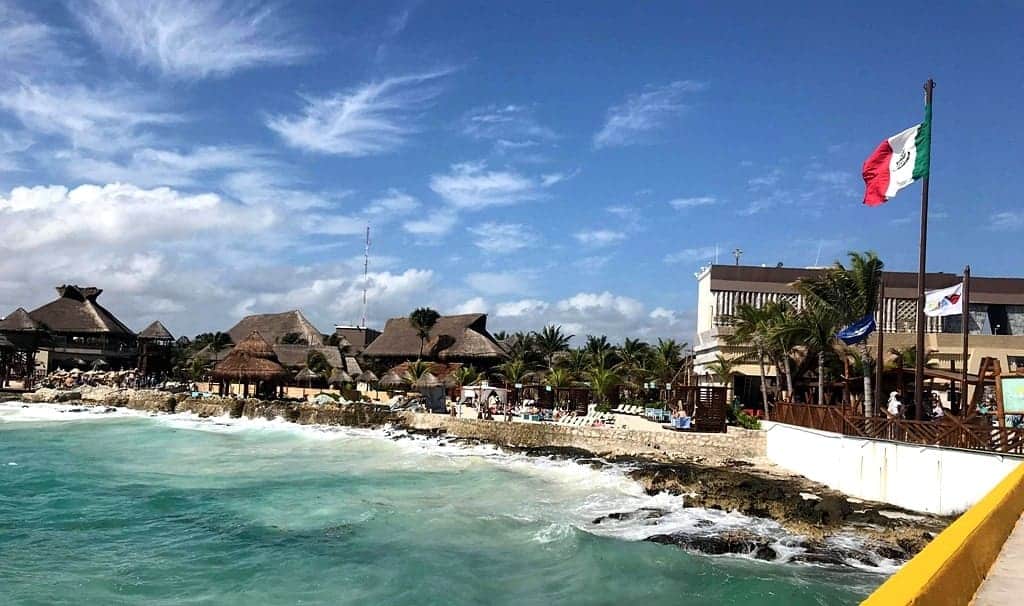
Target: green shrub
column 746, row 421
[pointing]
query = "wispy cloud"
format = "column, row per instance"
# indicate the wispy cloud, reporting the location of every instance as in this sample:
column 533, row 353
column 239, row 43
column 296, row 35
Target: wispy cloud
column 149, row 167
column 510, row 126
column 502, row 238
column 28, row 46
column 1009, row 220
column 372, row 119
column 685, row 203
column 690, row 255
column 642, row 113
column 472, row 186
column 101, row 120
column 599, row 237
column 432, row 226
column 191, row 38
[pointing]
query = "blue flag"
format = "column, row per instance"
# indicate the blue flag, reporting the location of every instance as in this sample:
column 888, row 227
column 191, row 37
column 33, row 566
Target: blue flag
column 858, row 331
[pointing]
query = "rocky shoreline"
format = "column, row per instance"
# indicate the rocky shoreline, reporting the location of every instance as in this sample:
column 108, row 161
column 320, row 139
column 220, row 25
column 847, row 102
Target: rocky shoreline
column 824, row 526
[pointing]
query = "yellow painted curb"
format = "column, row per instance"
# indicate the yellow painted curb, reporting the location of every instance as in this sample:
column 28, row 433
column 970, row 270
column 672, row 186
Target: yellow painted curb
column 950, row 569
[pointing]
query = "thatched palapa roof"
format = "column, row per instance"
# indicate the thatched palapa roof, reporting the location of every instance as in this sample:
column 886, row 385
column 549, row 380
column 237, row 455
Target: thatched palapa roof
column 367, row 376
column 306, row 375
column 251, row 360
column 76, row 310
column 393, row 379
column 156, row 332
column 274, row 327
column 20, row 321
column 462, row 337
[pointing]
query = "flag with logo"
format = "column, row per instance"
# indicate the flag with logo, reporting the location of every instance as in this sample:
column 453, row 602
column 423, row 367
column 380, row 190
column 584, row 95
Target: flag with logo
column 898, row 161
column 944, row 302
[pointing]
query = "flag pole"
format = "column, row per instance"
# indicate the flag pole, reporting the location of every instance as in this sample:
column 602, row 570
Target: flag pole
column 880, row 365
column 965, row 298
column 929, row 86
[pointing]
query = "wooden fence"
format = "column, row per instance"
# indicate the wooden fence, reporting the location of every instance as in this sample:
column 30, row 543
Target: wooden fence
column 973, row 433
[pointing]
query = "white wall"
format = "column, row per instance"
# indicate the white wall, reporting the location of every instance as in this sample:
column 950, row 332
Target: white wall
column 920, row 478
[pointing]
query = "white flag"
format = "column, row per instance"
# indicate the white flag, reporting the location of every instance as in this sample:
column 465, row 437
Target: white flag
column 944, row 302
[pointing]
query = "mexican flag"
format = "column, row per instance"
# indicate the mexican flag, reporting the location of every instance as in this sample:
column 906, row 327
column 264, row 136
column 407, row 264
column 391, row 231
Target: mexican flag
column 899, row 161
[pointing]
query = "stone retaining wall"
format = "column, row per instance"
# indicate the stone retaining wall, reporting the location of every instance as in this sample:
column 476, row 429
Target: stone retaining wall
column 736, row 444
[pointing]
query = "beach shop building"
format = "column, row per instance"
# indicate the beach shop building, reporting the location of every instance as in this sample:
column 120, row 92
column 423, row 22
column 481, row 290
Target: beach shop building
column 996, row 319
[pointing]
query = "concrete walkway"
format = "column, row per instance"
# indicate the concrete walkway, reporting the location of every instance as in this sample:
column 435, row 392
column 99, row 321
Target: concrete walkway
column 1004, row 585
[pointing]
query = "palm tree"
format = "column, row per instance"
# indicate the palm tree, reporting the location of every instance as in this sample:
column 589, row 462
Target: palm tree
column 523, row 346
column 753, row 326
column 851, row 294
column 551, row 341
column 723, row 370
column 598, row 348
column 780, row 340
column 633, row 361
column 317, row 362
column 465, row 375
column 559, row 378
column 416, row 370
column 423, row 320
column 665, row 359
column 514, row 372
column 815, row 328
column 602, row 381
column 576, row 362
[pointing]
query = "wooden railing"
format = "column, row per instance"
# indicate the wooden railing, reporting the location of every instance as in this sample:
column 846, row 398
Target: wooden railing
column 975, row 433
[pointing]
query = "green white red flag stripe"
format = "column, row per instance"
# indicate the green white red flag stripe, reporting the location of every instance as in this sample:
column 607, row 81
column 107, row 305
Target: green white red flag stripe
column 898, row 161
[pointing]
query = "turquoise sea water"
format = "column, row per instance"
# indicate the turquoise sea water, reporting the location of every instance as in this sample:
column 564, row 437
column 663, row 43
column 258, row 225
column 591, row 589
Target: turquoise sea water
column 123, row 508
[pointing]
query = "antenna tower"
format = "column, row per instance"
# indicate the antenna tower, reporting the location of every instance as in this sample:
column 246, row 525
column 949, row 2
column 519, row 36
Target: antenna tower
column 366, row 272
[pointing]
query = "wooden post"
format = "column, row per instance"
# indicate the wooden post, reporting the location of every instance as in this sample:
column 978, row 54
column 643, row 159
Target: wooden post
column 880, row 358
column 929, row 86
column 966, row 329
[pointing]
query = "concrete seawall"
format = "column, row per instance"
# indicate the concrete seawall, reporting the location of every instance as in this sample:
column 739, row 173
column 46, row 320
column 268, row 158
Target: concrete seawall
column 737, row 444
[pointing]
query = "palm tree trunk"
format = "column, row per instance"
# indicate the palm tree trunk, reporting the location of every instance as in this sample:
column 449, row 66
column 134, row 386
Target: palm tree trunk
column 869, row 407
column 789, row 376
column 821, row 378
column 764, row 387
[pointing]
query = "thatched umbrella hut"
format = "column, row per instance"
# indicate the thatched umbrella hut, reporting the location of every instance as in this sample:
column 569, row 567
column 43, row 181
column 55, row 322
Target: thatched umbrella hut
column 251, row 361
column 339, row 377
column 392, row 379
column 426, row 381
column 306, row 375
column 368, row 377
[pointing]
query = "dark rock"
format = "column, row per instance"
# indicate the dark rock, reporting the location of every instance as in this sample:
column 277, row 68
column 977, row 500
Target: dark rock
column 735, row 542
column 645, row 513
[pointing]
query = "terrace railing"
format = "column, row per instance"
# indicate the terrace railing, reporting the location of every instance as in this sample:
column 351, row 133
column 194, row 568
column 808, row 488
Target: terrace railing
column 975, row 433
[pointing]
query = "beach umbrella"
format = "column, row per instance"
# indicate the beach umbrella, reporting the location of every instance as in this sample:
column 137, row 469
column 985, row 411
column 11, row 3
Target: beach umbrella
column 367, row 376
column 391, row 379
column 427, row 380
column 339, row 377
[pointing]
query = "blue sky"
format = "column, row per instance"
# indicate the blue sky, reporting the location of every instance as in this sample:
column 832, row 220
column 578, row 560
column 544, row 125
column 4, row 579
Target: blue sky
column 574, row 163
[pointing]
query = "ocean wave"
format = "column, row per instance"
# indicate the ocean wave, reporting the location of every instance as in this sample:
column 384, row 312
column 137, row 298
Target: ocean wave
column 586, row 493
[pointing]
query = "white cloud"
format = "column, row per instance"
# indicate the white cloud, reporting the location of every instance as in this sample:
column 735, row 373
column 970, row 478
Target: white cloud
column 436, row 224
column 501, row 283
column 153, row 167
column 471, row 186
column 595, row 313
column 191, row 38
column 106, row 120
column 476, row 305
column 684, row 203
column 29, row 47
column 1007, row 220
column 592, row 264
column 502, row 238
column 643, row 113
column 393, row 203
column 599, row 237
column 520, row 308
column 373, row 119
column 514, row 126
column 690, row 255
